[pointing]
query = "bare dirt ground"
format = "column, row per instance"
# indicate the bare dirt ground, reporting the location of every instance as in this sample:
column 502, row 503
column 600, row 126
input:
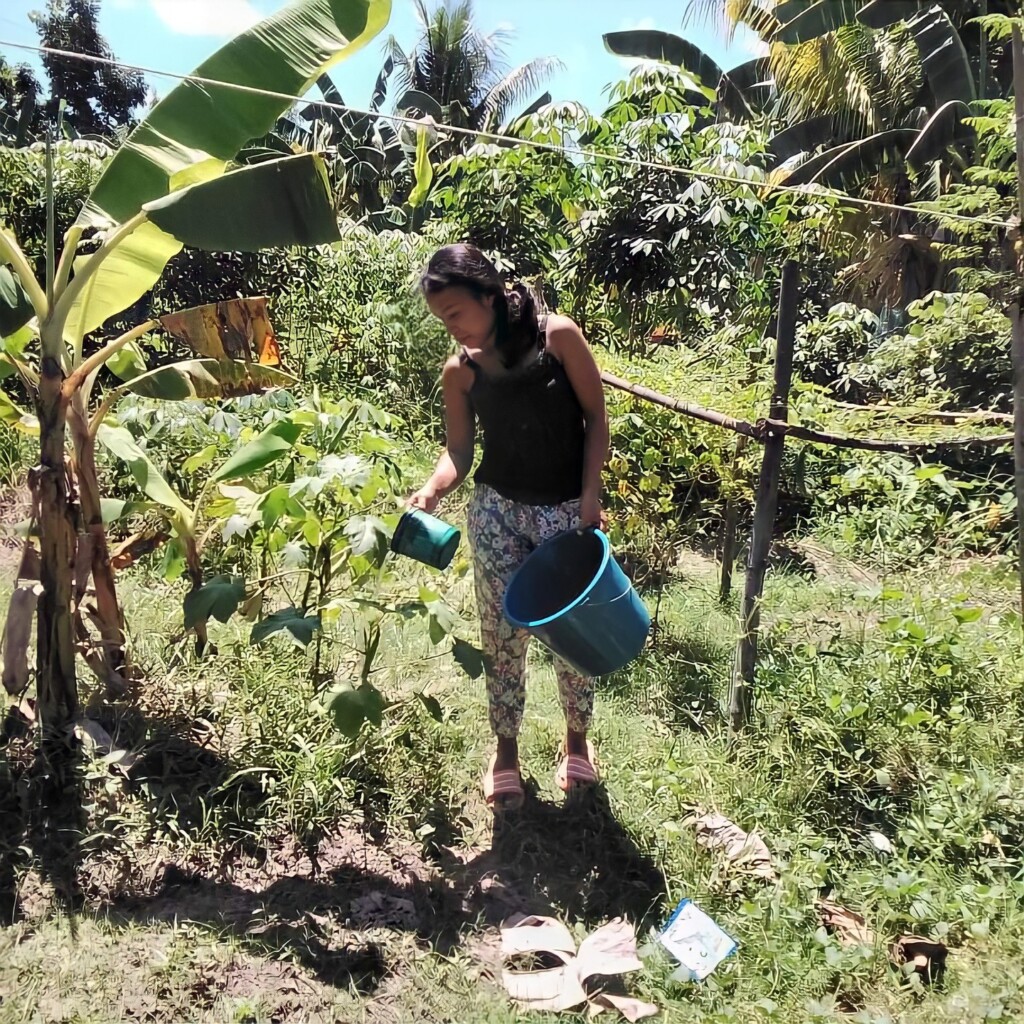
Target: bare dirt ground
column 299, row 930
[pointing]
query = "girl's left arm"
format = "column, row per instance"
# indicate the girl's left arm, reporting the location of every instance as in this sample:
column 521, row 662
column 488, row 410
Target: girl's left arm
column 567, row 344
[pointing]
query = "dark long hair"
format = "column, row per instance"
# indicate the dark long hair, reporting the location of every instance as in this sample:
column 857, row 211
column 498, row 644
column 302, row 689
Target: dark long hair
column 516, row 328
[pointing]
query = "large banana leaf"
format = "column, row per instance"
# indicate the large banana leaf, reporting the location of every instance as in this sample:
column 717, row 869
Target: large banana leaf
column 286, row 53
column 801, row 20
column 207, row 378
column 747, row 89
column 836, row 166
column 277, row 202
column 945, row 128
column 149, row 479
column 196, row 128
column 274, row 203
column 947, row 68
column 651, row 44
column 883, row 13
column 414, row 100
column 804, row 137
column 267, row 447
column 125, row 276
column 15, row 308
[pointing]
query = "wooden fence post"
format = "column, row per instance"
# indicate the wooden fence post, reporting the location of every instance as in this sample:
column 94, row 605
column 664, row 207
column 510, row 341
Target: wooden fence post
column 1016, row 314
column 765, row 503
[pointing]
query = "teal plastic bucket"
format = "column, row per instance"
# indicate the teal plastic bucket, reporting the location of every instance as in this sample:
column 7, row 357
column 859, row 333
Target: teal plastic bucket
column 573, row 596
column 425, row 538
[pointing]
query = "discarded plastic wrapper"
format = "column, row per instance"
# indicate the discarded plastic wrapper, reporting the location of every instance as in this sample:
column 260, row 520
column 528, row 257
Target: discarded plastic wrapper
column 696, row 941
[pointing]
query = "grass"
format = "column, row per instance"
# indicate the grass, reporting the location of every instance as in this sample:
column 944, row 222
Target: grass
column 228, row 878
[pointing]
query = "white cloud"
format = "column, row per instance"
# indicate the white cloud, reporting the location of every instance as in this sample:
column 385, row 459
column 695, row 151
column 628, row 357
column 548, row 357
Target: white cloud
column 506, row 26
column 124, row 5
column 206, row 17
column 634, row 26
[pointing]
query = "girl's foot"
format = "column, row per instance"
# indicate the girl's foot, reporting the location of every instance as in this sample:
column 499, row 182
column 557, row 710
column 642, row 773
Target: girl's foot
column 503, row 780
column 503, row 787
column 578, row 768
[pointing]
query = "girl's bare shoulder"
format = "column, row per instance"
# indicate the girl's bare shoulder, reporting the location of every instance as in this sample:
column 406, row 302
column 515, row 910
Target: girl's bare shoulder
column 457, row 372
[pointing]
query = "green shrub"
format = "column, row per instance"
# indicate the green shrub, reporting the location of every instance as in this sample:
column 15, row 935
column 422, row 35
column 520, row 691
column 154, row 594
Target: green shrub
column 356, row 323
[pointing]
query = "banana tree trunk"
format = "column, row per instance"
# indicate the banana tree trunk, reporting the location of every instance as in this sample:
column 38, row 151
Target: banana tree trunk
column 195, row 575
column 56, row 685
column 108, row 618
column 21, row 613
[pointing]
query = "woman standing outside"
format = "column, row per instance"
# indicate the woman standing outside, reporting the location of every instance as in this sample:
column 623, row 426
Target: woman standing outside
column 534, row 391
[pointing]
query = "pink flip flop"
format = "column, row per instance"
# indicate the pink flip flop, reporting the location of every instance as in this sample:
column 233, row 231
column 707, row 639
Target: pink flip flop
column 503, row 790
column 575, row 772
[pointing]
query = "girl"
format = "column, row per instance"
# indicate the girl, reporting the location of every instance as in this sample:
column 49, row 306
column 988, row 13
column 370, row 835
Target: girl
column 535, row 392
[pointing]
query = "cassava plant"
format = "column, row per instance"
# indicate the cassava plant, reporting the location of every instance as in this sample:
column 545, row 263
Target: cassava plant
column 172, row 184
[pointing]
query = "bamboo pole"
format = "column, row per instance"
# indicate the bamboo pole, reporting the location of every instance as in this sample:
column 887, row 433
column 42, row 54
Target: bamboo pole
column 870, row 444
column 1016, row 312
column 766, row 500
column 907, row 415
column 764, row 428
column 697, row 412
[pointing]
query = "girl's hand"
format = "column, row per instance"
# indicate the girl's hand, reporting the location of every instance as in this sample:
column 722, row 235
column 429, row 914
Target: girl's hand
column 425, row 499
column 591, row 513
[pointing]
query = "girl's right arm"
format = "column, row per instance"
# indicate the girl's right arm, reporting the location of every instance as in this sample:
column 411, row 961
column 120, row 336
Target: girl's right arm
column 457, row 458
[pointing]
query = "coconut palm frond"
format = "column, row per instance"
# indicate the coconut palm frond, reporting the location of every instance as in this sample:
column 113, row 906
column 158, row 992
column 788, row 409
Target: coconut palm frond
column 516, row 87
column 728, row 15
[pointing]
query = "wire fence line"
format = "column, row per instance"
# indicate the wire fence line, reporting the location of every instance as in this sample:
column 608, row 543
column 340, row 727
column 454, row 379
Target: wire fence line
column 587, row 153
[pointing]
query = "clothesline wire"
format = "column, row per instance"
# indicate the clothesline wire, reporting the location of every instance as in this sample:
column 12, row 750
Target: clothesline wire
column 808, row 191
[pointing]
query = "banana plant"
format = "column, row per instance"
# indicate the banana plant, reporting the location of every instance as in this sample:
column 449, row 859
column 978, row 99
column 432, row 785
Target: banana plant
column 832, row 148
column 184, row 517
column 740, row 93
column 173, row 183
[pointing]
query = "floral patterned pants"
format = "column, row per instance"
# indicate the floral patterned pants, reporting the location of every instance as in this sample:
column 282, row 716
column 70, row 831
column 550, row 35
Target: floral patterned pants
column 502, row 533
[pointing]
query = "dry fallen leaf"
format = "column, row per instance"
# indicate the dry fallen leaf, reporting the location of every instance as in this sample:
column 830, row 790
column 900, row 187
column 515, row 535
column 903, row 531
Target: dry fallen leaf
column 745, row 851
column 608, row 951
column 544, row 972
column 918, row 955
column 630, row 1008
column 98, row 742
column 991, row 840
column 848, row 927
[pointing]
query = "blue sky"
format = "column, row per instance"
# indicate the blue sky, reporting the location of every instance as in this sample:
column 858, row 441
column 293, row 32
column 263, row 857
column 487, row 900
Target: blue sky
column 177, row 35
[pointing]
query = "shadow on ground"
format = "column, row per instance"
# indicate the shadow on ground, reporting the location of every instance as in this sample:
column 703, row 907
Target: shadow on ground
column 42, row 816
column 573, row 860
column 327, row 903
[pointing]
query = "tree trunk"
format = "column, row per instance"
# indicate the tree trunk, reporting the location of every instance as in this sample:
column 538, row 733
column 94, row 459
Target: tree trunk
column 56, row 686
column 195, row 574
column 108, row 616
column 730, row 518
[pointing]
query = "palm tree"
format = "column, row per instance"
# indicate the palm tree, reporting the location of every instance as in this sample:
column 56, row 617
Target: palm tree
column 826, row 57
column 458, row 75
column 870, row 95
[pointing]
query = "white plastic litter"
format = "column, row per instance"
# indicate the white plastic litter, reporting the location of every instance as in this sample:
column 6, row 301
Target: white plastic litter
column 696, row 941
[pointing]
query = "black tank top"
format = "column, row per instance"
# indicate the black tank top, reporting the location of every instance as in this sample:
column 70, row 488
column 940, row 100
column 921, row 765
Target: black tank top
column 533, row 430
